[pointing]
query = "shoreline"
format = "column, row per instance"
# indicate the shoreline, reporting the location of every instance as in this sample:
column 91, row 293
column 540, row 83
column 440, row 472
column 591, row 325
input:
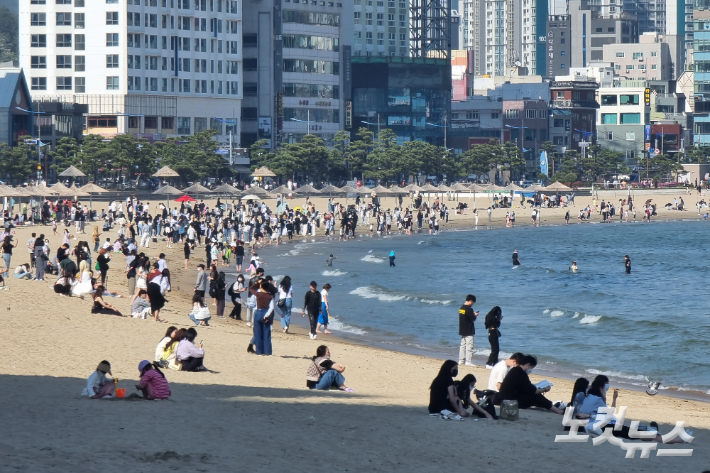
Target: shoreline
column 384, row 342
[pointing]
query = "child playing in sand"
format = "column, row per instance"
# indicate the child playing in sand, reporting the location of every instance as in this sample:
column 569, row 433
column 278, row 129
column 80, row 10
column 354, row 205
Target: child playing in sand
column 99, row 386
column 153, row 383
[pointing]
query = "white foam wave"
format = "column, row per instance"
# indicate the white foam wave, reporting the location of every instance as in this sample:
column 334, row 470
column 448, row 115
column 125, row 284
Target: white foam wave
column 546, row 311
column 557, row 313
column 618, row 374
column 337, row 272
column 576, row 314
column 335, row 324
column 590, row 319
column 420, row 242
column 434, row 301
column 372, row 259
column 369, row 293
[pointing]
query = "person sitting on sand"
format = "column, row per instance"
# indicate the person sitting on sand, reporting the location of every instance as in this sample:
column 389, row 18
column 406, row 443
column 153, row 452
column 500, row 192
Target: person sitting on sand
column 101, row 307
column 464, row 388
column 23, row 272
column 140, row 305
column 153, row 383
column 64, row 285
column 98, row 386
column 191, row 356
column 166, row 351
column 597, row 397
column 323, row 373
column 579, row 392
column 500, row 370
column 200, row 313
column 84, row 285
column 442, row 395
column 517, row 387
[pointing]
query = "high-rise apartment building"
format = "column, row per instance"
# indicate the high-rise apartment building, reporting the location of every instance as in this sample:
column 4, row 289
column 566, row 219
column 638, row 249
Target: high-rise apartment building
column 505, row 34
column 380, row 27
column 158, row 67
column 679, row 33
column 701, row 74
column 650, row 14
column 297, row 77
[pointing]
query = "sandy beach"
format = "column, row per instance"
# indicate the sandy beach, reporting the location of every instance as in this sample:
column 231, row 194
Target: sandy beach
column 255, row 413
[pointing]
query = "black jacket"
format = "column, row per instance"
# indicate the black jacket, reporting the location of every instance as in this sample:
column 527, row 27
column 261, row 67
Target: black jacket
column 312, row 302
column 466, row 320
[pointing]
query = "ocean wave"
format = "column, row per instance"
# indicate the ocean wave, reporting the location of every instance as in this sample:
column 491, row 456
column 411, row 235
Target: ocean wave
column 618, row 374
column 386, row 295
column 371, row 292
column 557, row 313
column 335, row 324
column 576, row 314
column 590, row 319
column 434, row 301
column 337, row 272
column 372, row 259
column 546, row 311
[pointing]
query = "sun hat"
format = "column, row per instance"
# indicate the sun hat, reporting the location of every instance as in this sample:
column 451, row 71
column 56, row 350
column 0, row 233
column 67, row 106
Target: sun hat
column 104, row 367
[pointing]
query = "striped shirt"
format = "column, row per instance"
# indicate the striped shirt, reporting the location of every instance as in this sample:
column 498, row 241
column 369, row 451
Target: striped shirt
column 158, row 387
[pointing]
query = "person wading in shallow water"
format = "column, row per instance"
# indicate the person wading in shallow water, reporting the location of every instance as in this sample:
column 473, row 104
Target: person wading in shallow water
column 627, row 264
column 516, row 260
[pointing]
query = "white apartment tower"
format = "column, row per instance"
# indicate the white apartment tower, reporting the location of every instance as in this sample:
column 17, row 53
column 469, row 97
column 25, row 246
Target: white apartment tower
column 154, row 68
column 381, row 27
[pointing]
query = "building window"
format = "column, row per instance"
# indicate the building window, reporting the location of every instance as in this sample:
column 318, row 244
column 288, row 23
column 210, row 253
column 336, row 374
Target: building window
column 63, row 2
column 609, row 100
column 111, row 17
column 79, row 42
column 63, row 19
column 630, row 136
column 183, row 124
column 512, row 114
column 64, row 83
column 628, row 100
column 637, row 55
column 654, row 66
column 495, row 116
column 38, row 62
column 654, row 54
column 38, row 19
column 111, row 61
column 609, row 118
column 112, row 40
column 200, row 124
column 39, row 83
column 610, row 136
column 112, row 83
column 79, row 21
column 167, row 123
column 630, row 118
column 530, row 113
column 63, row 62
column 102, row 122
column 542, row 114
column 80, row 85
column 79, row 64
column 134, row 122
column 64, row 41
column 619, row 54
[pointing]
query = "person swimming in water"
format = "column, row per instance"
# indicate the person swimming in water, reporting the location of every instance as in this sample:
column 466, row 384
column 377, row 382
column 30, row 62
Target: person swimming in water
column 516, row 260
column 392, row 258
column 330, row 259
column 573, row 268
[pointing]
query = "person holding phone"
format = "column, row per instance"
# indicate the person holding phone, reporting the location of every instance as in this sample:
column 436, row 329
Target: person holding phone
column 263, row 316
column 192, row 357
column 467, row 317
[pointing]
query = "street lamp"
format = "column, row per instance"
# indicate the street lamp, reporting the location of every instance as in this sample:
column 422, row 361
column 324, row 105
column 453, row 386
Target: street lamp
column 308, row 121
column 444, row 126
column 39, row 139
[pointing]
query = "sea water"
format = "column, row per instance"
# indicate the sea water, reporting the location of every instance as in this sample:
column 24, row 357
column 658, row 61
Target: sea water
column 650, row 325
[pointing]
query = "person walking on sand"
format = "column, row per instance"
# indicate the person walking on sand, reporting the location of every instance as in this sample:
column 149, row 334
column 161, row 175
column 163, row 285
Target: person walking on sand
column 627, row 264
column 392, row 257
column 311, row 306
column 324, row 310
column 492, row 322
column 467, row 317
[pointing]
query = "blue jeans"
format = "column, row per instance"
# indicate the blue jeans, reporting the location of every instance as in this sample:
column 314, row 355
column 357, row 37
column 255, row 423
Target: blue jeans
column 7, row 257
column 23, row 275
column 286, row 311
column 197, row 321
column 96, row 246
column 262, row 333
column 329, row 379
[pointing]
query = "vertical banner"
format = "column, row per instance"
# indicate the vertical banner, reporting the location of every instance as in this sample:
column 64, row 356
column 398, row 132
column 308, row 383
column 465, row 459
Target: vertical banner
column 265, row 130
column 543, row 163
